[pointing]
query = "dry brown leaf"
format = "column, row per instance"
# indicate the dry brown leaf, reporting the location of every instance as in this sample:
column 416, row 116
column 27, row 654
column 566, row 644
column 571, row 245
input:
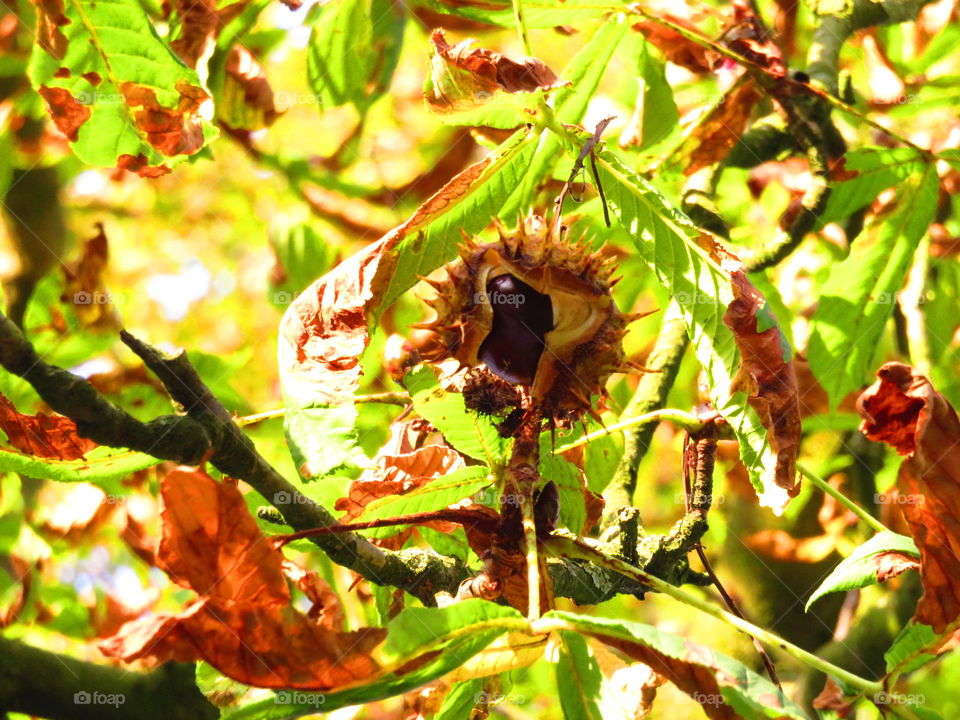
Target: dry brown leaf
column 43, row 435
column 903, row 410
column 248, row 102
column 83, row 284
column 176, row 131
column 723, row 126
column 243, row 622
column 676, row 48
column 766, row 374
column 67, row 113
column 463, row 78
column 831, row 698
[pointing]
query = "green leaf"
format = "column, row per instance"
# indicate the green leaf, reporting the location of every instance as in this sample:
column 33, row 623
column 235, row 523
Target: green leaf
column 102, row 466
column 858, row 297
column 567, row 477
column 750, row 696
column 536, row 13
column 877, row 169
column 655, row 114
column 579, row 679
column 114, row 88
column 666, row 240
column 431, row 240
column 353, row 50
column 858, row 570
column 435, row 495
column 468, row 432
column 323, row 440
column 302, row 256
column 906, row 653
column 460, row 700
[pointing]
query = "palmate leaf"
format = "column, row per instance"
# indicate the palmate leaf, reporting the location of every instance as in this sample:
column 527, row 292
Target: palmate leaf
column 859, row 296
column 666, row 240
column 115, row 88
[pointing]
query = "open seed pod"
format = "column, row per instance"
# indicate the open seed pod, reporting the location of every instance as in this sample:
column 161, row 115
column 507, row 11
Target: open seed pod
column 537, row 312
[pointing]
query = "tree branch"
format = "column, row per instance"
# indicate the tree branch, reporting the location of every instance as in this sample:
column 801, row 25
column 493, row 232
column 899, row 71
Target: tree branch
column 46, row 684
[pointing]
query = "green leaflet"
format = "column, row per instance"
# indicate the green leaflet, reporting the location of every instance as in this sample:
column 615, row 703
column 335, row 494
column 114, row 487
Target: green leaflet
column 468, row 432
column 857, row 569
column 115, row 88
column 536, row 13
column 102, row 466
column 751, row 696
column 907, row 651
column 304, row 256
column 353, row 51
column 460, row 700
column 566, row 476
column 655, row 114
column 858, row 298
column 665, row 239
column 433, row 240
column 579, row 679
column 435, row 495
column 877, row 169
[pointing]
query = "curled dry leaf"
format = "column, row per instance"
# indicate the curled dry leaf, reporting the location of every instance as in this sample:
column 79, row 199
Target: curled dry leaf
column 903, row 410
column 84, row 287
column 42, row 435
column 723, row 126
column 325, row 330
column 247, row 101
column 463, row 78
column 242, row 623
column 767, row 376
column 172, row 131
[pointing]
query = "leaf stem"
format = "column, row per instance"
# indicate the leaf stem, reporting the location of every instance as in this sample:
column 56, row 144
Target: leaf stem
column 819, row 482
column 388, row 398
column 521, row 27
column 576, row 547
column 681, row 419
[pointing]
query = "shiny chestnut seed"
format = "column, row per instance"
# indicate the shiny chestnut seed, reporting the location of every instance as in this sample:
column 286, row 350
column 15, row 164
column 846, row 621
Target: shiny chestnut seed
column 521, row 319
